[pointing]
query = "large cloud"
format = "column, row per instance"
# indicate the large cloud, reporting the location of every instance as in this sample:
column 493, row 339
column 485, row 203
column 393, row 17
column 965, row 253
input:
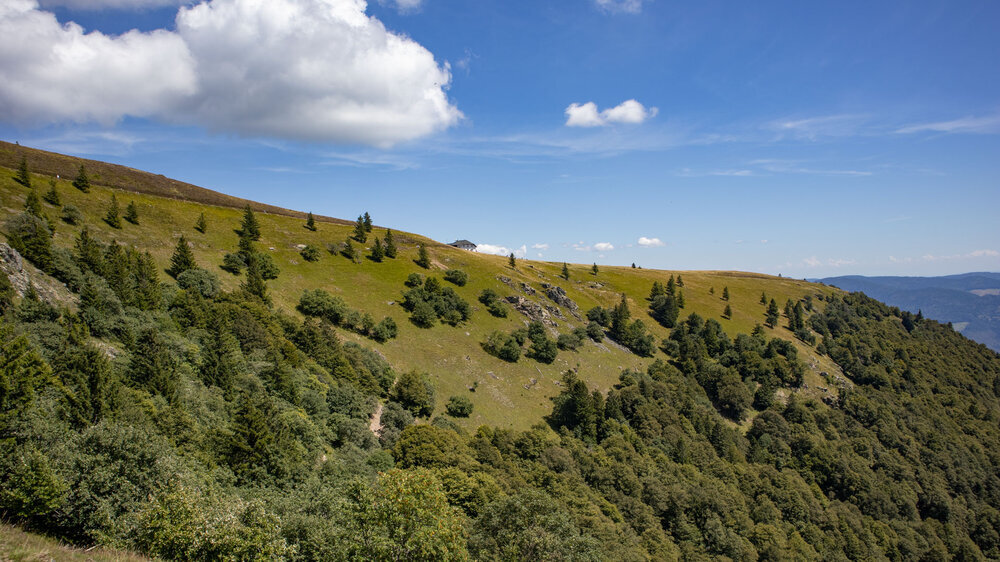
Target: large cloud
column 586, row 114
column 113, row 4
column 318, row 70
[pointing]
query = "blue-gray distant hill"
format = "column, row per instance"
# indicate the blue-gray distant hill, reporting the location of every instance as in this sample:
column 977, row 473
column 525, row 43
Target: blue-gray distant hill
column 970, row 301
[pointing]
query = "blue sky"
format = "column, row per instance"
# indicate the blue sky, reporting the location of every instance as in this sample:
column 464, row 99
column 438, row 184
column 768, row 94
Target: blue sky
column 783, row 137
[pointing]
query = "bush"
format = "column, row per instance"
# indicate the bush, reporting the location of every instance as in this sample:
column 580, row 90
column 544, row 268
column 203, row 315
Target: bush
column 459, row 407
column 570, row 342
column 414, row 392
column 456, row 276
column 384, row 330
column 493, row 303
column 595, row 332
column 322, row 304
column 414, row 280
column 71, row 215
column 201, row 281
column 310, row 253
column 503, row 346
column 600, row 315
column 234, row 263
column 31, row 237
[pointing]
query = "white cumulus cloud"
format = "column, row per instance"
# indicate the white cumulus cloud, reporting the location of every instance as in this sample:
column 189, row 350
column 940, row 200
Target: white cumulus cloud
column 603, row 247
column 540, row 246
column 650, row 242
column 319, row 70
column 586, row 114
column 113, row 4
column 498, row 250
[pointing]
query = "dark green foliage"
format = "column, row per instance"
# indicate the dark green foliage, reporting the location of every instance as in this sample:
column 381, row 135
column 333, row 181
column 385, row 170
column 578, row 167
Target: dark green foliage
column 378, row 253
column 310, row 222
column 593, row 270
column 423, row 259
column 310, row 253
column 725, row 293
column 728, row 312
column 82, row 181
column 512, row 261
column 249, row 228
column 360, row 232
column 32, row 205
column 414, row 392
column 565, row 271
column 680, row 281
column 200, row 281
column 493, row 303
column 529, row 525
column 71, row 215
column 595, row 331
column 503, row 346
column 390, row 245
column 771, row 318
column 23, row 373
column 632, row 335
column 601, row 316
column 201, row 225
column 52, row 195
column 22, row 176
column 459, row 407
column 254, row 284
column 367, row 221
column 456, row 276
column 151, row 365
column 543, row 349
column 414, row 280
column 182, row 259
column 569, row 342
column 113, row 216
column 233, row 263
column 664, row 309
column 763, row 298
column 132, row 213
column 321, row 304
column 7, row 293
column 32, row 238
column 432, row 301
column 385, row 330
column 348, row 251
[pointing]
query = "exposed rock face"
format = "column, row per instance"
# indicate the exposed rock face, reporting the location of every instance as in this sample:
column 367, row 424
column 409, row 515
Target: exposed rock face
column 523, row 287
column 20, row 274
column 12, row 265
column 558, row 296
column 531, row 309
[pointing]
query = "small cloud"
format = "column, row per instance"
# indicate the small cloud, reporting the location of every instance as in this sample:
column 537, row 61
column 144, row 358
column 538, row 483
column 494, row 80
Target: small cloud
column 629, row 112
column 539, row 246
column 974, row 125
column 812, row 262
column 403, row 6
column 603, row 247
column 650, row 242
column 984, row 253
column 498, row 250
column 620, row 6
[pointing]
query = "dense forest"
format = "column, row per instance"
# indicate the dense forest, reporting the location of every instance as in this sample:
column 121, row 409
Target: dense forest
column 171, row 417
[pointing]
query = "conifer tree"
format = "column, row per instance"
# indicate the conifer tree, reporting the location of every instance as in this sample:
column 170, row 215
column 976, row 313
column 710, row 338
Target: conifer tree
column 656, row 290
column 711, row 290
column 423, row 259
column 147, row 283
column 113, row 217
column 311, row 222
column 250, row 228
column 182, row 260
column 633, row 265
column 23, row 177
column 201, row 225
column 763, row 298
column 220, row 357
column 725, row 293
column 728, row 313
column 390, row 245
column 671, row 286
column 254, row 284
column 348, row 251
column 565, row 272
column 82, row 182
column 680, row 282
column 360, row 232
column 593, row 270
column 51, row 196
column 512, row 261
column 367, row 220
column 89, row 253
column 619, row 321
column 32, row 205
column 771, row 319
column 377, row 252
column 132, row 213
column 680, row 299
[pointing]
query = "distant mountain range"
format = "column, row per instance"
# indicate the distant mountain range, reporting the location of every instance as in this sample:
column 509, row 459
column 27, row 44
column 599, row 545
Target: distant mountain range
column 970, row 301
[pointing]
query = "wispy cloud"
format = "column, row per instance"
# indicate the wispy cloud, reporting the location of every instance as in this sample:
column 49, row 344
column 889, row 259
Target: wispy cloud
column 620, row 6
column 539, row 246
column 779, row 166
column 813, row 128
column 976, row 125
column 813, row 262
column 974, row 254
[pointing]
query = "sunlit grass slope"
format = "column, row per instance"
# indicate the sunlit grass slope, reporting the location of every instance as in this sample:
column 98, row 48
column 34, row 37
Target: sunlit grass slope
column 515, row 395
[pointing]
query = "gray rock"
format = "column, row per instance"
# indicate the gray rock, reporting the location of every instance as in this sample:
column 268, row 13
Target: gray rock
column 531, row 309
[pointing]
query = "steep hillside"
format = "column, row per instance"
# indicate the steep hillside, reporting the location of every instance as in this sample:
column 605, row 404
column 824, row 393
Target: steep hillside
column 507, row 394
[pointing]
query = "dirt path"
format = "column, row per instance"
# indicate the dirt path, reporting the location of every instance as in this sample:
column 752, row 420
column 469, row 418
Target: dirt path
column 376, row 422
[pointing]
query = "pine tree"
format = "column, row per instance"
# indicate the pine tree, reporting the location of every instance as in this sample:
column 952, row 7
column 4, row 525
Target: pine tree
column 360, row 232
column 220, row 357
column 771, row 319
column 593, row 270
column 711, row 290
column 423, row 259
column 619, row 321
column 89, row 253
column 348, row 250
column 254, row 284
column 680, row 282
column 113, row 217
column 680, row 299
column 377, row 252
column 182, row 260
column 310, row 222
column 512, row 261
column 82, row 182
column 32, row 205
column 671, row 286
column 132, row 213
column 250, row 228
column 201, row 225
column 728, row 313
column 390, row 245
column 763, row 298
column 51, row 196
column 656, row 290
column 367, row 220
column 725, row 293
column 565, row 272
column 633, row 265
column 23, row 177
column 147, row 283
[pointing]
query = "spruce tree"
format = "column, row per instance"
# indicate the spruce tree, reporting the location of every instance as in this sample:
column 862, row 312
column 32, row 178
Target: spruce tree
column 310, row 222
column 132, row 213
column 711, row 290
column 390, row 245
column 763, row 298
column 771, row 319
column 680, row 299
column 113, row 217
column 512, row 261
column 680, row 282
column 725, row 293
column 348, row 251
column 671, row 286
column 728, row 313
column 51, row 196
column 254, row 284
column 32, row 205
column 593, row 270
column 250, row 228
column 565, row 272
column 147, row 283
column 377, row 252
column 82, row 182
column 423, row 259
column 360, row 232
column 201, row 225
column 367, row 222
column 182, row 260
column 619, row 321
column 23, row 177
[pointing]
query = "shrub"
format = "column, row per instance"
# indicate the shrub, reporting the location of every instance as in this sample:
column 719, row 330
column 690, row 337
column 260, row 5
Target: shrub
column 459, row 407
column 600, row 315
column 414, row 280
column 414, row 392
column 493, row 303
column 201, row 281
column 503, row 346
column 310, row 253
column 322, row 304
column 570, row 342
column 31, row 237
column 456, row 276
column 71, row 215
column 595, row 332
column 233, row 263
column 384, row 330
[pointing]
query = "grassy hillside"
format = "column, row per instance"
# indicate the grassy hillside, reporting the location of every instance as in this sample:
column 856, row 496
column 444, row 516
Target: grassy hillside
column 515, row 395
column 17, row 546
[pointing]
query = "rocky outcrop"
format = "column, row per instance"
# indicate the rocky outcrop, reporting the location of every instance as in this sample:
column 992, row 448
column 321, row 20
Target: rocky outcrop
column 522, row 286
column 12, row 266
column 558, row 296
column 532, row 310
column 23, row 276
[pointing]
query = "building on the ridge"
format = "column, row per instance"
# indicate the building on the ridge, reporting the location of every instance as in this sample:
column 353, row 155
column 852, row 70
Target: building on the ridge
column 464, row 245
